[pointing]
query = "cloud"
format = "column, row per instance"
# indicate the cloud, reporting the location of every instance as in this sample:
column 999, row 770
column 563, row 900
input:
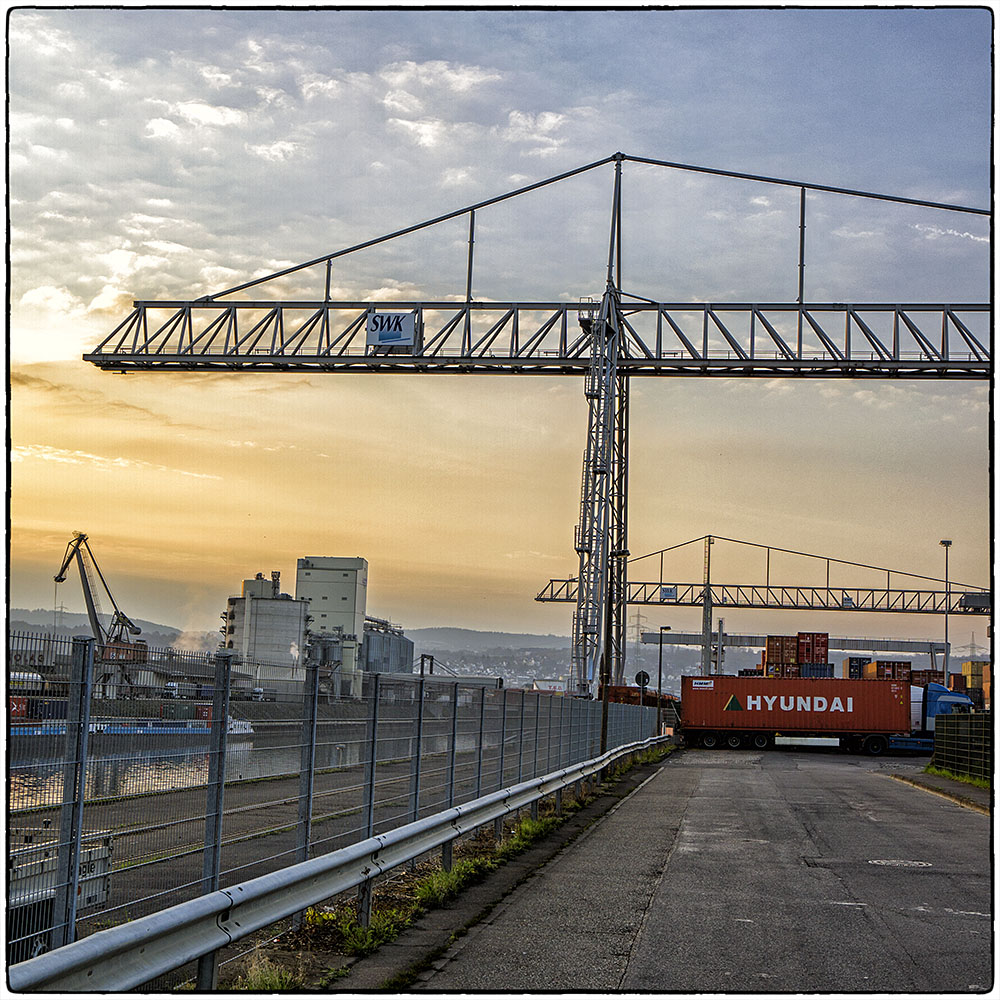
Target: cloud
column 437, row 73
column 936, row 232
column 64, row 397
column 102, row 463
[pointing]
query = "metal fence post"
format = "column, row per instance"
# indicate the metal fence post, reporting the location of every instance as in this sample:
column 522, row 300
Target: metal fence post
column 365, row 889
column 446, row 847
column 548, row 739
column 520, row 741
column 538, row 711
column 208, row 971
column 562, row 712
column 307, row 767
column 415, row 762
column 479, row 743
column 498, row 822
column 74, row 791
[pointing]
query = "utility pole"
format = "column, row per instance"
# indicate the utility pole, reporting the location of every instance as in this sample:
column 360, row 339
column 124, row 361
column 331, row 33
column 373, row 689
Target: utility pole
column 706, row 613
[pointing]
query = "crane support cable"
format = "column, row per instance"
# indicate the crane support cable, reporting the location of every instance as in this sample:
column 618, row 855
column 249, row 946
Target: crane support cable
column 808, row 555
column 614, row 158
column 899, row 199
column 411, row 229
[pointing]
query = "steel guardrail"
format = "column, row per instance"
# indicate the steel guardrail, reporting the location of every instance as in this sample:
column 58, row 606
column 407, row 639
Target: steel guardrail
column 132, row 954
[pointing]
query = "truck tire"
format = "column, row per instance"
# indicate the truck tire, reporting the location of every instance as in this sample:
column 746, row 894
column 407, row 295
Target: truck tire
column 761, row 741
column 709, row 740
column 734, row 741
column 875, row 746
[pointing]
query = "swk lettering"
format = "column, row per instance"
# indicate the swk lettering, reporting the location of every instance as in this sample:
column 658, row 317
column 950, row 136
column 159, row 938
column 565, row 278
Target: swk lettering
column 387, row 324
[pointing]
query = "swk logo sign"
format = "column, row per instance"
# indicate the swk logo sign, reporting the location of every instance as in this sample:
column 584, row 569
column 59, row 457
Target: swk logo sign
column 391, row 328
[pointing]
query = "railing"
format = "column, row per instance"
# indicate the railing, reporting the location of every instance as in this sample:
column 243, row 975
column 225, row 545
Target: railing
column 142, row 801
column 963, row 744
column 127, row 957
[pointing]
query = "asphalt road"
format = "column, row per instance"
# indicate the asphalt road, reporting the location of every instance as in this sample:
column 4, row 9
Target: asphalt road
column 780, row 871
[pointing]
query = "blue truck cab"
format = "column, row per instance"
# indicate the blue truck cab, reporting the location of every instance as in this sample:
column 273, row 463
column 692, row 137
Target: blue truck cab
column 926, row 704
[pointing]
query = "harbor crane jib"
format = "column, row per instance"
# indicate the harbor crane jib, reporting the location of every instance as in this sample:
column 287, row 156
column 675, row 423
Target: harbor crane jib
column 114, row 643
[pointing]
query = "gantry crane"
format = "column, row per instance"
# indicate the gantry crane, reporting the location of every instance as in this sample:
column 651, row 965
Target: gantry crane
column 606, row 341
column 114, row 643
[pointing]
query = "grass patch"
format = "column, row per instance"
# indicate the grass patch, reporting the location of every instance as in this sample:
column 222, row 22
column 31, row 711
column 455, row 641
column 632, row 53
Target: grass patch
column 350, row 937
column 965, row 778
column 439, row 887
column 264, row 976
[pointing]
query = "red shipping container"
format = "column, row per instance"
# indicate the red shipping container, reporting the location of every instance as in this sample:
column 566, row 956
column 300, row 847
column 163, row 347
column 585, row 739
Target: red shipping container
column 203, row 712
column 787, row 706
column 18, row 707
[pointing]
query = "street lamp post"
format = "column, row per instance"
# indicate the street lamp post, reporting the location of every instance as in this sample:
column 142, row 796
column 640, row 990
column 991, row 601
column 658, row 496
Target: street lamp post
column 659, row 685
column 946, row 542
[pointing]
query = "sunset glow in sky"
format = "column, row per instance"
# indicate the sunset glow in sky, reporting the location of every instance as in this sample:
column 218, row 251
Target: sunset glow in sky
column 172, row 153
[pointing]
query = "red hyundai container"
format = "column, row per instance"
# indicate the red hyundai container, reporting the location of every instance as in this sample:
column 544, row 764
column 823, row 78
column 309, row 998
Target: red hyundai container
column 794, row 706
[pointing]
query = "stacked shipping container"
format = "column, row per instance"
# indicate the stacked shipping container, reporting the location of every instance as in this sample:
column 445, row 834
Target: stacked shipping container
column 924, row 677
column 976, row 674
column 853, row 668
column 887, row 670
column 801, row 655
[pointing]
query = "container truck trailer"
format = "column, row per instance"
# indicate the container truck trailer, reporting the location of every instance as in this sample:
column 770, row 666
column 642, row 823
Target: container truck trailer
column 870, row 716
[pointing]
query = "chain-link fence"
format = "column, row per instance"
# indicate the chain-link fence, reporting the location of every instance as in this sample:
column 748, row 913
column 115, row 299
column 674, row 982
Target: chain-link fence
column 129, row 792
column 963, row 744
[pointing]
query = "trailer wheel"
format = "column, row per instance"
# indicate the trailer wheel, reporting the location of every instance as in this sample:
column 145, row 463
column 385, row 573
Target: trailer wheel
column 734, row 741
column 709, row 741
column 761, row 741
column 875, row 746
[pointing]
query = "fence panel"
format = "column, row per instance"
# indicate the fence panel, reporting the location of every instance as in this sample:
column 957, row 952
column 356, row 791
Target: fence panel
column 963, row 744
column 136, row 787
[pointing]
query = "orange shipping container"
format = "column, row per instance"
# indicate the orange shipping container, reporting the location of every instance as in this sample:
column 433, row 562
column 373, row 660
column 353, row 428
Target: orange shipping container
column 794, row 706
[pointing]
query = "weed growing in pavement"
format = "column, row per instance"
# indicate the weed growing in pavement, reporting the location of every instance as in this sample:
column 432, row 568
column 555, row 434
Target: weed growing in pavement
column 264, row 976
column 967, row 778
column 440, row 886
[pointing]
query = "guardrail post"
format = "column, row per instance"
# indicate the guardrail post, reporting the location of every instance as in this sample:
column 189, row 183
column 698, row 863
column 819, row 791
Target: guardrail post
column 446, row 847
column 208, row 970
column 365, row 889
column 498, row 822
column 74, row 790
column 307, row 767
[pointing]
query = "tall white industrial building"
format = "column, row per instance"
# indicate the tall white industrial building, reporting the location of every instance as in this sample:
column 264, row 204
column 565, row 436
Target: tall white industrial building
column 264, row 625
column 336, row 591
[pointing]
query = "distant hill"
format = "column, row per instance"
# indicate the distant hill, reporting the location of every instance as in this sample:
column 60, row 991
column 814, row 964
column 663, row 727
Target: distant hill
column 455, row 639
column 73, row 623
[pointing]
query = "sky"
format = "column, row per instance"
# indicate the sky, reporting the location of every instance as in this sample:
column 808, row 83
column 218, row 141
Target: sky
column 171, row 153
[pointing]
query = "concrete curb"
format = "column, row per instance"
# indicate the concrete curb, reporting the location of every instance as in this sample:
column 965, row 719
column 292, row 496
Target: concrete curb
column 962, row 800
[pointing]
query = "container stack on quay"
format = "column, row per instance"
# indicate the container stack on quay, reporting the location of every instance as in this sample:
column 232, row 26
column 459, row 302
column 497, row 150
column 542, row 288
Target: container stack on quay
column 853, row 668
column 888, row 670
column 801, row 655
column 975, row 682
